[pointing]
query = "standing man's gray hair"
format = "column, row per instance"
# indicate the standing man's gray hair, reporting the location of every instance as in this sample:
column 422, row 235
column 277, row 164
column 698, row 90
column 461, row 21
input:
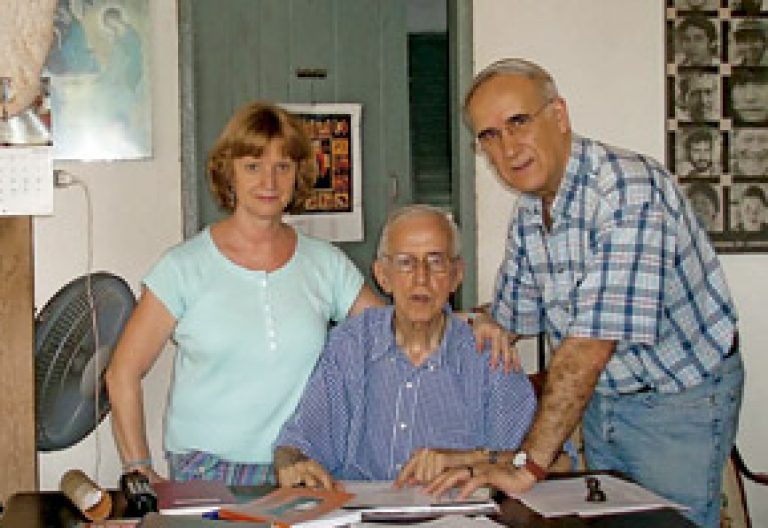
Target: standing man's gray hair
column 417, row 210
column 513, row 66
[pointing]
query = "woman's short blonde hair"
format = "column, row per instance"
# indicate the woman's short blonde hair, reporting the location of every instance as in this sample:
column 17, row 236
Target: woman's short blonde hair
column 247, row 133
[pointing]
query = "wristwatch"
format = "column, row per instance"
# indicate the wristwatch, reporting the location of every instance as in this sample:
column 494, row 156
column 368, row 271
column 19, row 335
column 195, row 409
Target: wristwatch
column 522, row 460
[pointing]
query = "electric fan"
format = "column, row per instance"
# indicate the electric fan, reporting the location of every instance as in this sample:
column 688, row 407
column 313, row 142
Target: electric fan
column 71, row 396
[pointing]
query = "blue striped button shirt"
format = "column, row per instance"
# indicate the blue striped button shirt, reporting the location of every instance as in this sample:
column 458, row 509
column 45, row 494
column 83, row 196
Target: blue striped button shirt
column 625, row 260
column 367, row 408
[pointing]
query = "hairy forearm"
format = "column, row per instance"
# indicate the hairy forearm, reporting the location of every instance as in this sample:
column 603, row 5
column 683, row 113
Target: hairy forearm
column 571, row 378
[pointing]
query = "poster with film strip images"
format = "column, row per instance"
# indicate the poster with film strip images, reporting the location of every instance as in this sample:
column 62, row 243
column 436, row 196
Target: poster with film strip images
column 717, row 116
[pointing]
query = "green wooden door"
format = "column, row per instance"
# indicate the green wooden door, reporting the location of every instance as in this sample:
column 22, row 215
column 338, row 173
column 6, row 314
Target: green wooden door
column 235, row 51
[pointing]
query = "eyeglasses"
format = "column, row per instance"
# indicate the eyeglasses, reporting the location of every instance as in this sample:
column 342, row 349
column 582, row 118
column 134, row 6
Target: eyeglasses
column 406, row 263
column 515, row 124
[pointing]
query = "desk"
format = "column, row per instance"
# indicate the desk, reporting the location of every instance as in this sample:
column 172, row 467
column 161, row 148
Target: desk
column 53, row 510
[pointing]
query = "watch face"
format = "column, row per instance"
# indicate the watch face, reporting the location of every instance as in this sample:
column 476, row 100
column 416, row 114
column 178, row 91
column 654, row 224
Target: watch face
column 520, row 459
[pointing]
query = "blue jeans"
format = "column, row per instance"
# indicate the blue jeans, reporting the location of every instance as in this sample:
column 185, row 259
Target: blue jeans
column 673, row 444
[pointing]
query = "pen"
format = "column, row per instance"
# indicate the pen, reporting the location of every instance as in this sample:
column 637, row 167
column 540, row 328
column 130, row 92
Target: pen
column 212, row 515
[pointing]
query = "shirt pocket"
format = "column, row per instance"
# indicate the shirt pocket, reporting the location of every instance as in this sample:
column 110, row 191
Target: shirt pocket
column 560, row 298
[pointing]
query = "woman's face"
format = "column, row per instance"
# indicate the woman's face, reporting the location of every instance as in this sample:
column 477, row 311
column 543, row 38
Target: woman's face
column 264, row 185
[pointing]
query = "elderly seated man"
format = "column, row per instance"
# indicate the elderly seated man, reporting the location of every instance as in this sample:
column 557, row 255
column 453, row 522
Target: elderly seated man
column 401, row 391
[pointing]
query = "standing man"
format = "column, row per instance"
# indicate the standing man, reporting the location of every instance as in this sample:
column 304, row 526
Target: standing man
column 605, row 255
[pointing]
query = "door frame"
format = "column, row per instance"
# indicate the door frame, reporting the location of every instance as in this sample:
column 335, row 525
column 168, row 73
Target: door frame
column 190, row 209
column 460, row 55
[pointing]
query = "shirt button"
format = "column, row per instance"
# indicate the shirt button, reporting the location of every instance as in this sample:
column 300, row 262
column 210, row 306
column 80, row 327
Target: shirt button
column 273, row 345
column 264, row 282
column 408, row 384
column 403, row 425
column 432, row 366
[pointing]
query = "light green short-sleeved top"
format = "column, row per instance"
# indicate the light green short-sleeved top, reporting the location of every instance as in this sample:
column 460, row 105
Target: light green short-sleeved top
column 247, row 341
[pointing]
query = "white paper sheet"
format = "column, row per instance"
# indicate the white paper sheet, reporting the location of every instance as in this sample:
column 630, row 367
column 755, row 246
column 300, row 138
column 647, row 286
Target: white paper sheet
column 554, row 498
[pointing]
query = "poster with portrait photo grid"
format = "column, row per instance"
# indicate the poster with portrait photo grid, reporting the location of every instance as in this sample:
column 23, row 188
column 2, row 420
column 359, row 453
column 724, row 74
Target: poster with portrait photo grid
column 717, row 116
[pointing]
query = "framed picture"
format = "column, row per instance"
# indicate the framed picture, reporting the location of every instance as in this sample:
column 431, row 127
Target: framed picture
column 717, row 116
column 334, row 209
column 100, row 86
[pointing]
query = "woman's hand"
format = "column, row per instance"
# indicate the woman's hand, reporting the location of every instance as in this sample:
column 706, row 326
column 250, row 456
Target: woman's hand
column 294, row 468
column 306, row 473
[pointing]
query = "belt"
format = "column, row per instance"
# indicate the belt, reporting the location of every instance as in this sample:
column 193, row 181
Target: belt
column 731, row 352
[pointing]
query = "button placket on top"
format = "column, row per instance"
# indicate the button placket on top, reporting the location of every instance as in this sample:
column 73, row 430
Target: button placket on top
column 269, row 316
column 405, row 413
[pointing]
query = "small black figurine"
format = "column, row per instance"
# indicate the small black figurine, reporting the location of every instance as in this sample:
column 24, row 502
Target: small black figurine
column 594, row 493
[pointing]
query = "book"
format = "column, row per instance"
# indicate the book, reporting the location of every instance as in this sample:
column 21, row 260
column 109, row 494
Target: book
column 568, row 496
column 379, row 500
column 192, row 497
column 295, row 507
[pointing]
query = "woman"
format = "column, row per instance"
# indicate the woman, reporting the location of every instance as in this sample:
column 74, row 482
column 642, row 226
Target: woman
column 247, row 301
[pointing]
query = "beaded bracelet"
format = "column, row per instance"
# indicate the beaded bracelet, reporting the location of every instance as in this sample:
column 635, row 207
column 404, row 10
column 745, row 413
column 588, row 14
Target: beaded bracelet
column 133, row 464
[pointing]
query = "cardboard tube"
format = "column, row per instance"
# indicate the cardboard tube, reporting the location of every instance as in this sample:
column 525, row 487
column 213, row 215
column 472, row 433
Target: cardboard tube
column 91, row 500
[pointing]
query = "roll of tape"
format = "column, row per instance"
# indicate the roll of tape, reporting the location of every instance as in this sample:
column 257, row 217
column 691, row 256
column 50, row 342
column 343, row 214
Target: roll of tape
column 94, row 502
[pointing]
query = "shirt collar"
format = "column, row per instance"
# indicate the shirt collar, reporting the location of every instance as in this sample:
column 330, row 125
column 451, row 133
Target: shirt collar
column 443, row 355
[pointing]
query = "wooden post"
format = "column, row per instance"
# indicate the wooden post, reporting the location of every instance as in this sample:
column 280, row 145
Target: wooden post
column 18, row 453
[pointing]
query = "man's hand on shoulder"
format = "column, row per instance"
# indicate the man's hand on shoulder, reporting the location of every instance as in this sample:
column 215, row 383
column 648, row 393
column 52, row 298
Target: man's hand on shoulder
column 499, row 341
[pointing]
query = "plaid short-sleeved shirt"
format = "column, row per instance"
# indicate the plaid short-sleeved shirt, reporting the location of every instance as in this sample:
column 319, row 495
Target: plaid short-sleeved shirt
column 625, row 260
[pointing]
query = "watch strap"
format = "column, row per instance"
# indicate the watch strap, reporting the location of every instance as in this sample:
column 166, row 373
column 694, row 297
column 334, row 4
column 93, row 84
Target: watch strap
column 538, row 472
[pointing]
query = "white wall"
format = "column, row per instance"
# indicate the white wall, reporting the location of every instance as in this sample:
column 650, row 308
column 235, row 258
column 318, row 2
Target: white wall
column 607, row 58
column 137, row 214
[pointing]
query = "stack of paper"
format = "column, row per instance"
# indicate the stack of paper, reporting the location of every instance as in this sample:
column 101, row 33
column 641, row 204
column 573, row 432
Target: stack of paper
column 448, row 521
column 378, row 500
